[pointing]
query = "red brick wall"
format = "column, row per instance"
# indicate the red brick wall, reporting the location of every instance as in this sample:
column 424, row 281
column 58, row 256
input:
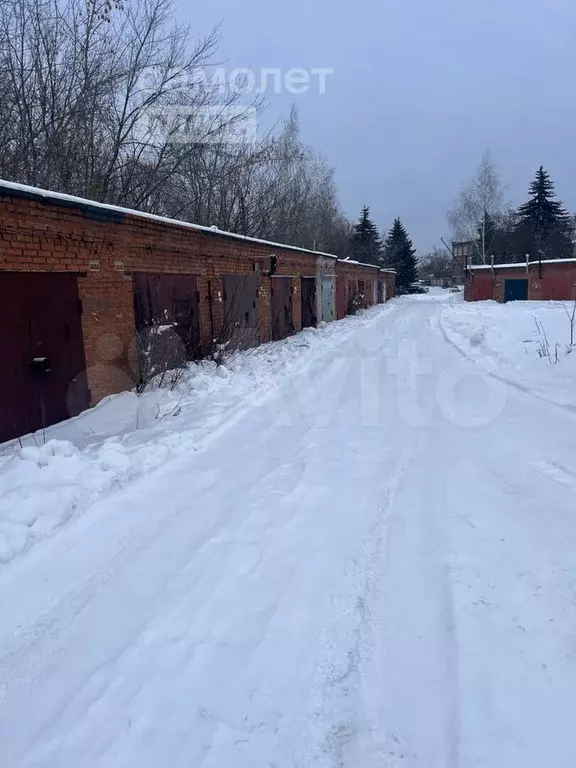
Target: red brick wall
column 348, row 272
column 550, row 281
column 480, row 287
column 44, row 236
column 558, row 282
column 106, row 247
column 390, row 280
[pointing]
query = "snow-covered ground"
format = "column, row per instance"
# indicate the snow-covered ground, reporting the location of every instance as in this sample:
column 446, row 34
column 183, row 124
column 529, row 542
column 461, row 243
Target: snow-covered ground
column 530, row 344
column 358, row 552
column 47, row 479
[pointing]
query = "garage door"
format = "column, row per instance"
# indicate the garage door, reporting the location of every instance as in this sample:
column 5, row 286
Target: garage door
column 241, row 328
column 515, row 290
column 482, row 289
column 328, row 299
column 166, row 310
column 341, row 297
column 309, row 311
column 282, row 323
column 556, row 287
column 362, row 293
column 43, row 377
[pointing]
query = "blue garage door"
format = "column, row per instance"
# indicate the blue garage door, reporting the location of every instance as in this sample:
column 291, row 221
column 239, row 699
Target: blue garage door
column 515, row 290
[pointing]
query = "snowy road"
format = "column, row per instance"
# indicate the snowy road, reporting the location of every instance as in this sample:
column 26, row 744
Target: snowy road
column 376, row 567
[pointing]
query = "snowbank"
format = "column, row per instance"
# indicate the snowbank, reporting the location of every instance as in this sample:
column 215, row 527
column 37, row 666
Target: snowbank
column 47, row 479
column 525, row 343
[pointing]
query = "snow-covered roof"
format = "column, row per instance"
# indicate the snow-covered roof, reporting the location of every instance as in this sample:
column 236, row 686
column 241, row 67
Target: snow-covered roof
column 363, row 264
column 59, row 197
column 520, row 264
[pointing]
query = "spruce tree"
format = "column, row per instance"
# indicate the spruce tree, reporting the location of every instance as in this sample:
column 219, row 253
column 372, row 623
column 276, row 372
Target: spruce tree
column 543, row 226
column 366, row 244
column 400, row 254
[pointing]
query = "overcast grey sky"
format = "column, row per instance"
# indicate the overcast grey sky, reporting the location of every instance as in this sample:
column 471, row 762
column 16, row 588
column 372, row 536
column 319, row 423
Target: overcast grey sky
column 421, row 88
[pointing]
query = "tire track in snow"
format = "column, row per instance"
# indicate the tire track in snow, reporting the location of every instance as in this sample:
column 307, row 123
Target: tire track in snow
column 340, row 731
column 565, row 407
column 412, row 681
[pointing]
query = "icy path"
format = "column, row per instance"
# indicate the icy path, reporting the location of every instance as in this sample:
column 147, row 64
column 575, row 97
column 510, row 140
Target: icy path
column 376, row 573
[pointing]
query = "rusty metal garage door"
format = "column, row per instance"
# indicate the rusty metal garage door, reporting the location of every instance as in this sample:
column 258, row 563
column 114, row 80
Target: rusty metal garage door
column 353, row 301
column 362, row 292
column 482, row 288
column 282, row 323
column 43, row 377
column 241, row 328
column 341, row 297
column 556, row 286
column 166, row 309
column 309, row 302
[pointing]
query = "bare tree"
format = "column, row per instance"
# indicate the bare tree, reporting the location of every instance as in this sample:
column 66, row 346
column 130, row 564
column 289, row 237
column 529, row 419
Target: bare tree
column 276, row 188
column 109, row 99
column 86, row 87
column 477, row 208
column 437, row 264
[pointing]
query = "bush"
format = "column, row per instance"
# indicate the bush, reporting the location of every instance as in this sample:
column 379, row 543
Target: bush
column 355, row 304
column 162, row 358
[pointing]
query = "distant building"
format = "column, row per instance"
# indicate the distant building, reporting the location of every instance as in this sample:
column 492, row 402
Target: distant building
column 546, row 280
column 462, row 252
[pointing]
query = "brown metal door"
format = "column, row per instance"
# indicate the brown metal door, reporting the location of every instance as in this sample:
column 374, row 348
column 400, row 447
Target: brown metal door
column 282, row 324
column 309, row 307
column 380, row 292
column 241, row 327
column 352, row 296
column 341, row 303
column 170, row 300
column 556, row 286
column 362, row 291
column 482, row 288
column 43, row 377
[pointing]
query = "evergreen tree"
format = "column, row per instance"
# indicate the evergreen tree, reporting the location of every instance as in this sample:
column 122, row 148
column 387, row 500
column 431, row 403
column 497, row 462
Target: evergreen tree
column 544, row 225
column 400, row 254
column 366, row 243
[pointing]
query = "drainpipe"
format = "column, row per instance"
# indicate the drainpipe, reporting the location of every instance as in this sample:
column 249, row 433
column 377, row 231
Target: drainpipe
column 213, row 337
column 273, row 266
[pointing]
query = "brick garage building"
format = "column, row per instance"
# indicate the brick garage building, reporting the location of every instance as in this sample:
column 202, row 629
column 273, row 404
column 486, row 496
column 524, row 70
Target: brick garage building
column 373, row 284
column 553, row 280
column 79, row 280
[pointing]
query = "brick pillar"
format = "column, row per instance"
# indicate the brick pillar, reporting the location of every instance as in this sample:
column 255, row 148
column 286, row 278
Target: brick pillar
column 109, row 332
column 296, row 304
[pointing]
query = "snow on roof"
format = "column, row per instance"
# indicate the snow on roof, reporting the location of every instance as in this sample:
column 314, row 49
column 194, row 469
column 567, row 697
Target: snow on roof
column 56, row 197
column 520, row 264
column 348, row 260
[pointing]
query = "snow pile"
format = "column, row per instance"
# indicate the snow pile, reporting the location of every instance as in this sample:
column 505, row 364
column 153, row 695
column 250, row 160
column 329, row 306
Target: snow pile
column 529, row 344
column 47, row 479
